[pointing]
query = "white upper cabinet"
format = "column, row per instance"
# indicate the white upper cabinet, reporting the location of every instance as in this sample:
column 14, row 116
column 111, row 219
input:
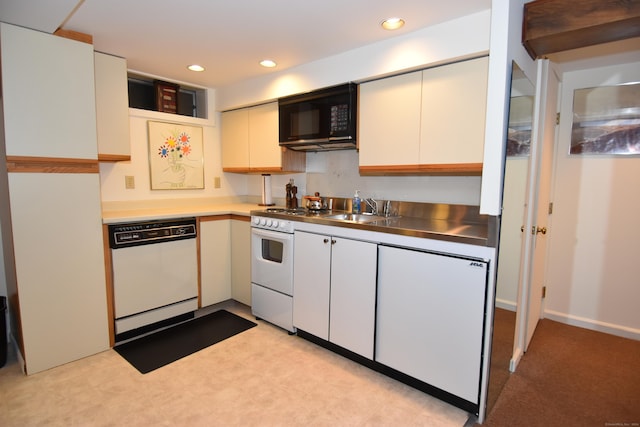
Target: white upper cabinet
column 112, row 107
column 49, row 95
column 425, row 122
column 250, row 142
column 264, row 149
column 453, row 113
column 389, row 120
column 235, row 139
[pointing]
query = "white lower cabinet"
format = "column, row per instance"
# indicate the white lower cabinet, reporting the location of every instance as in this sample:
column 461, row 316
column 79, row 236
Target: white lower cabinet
column 60, row 293
column 334, row 283
column 430, row 316
column 215, row 260
column 241, row 261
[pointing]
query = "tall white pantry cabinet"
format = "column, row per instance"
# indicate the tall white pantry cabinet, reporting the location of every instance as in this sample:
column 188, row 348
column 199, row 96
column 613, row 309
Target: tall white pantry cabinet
column 50, row 190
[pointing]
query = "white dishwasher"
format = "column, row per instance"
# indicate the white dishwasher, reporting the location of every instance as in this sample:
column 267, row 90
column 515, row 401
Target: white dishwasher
column 155, row 274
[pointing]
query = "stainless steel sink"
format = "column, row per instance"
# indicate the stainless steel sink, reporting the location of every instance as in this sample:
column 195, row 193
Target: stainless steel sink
column 359, row 218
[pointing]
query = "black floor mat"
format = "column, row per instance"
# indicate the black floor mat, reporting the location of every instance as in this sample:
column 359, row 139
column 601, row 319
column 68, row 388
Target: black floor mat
column 161, row 348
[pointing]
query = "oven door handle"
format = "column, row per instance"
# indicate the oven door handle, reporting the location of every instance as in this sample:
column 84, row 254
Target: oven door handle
column 274, row 235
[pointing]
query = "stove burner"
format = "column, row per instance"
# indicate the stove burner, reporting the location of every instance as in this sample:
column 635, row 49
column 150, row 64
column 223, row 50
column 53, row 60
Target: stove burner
column 298, row 211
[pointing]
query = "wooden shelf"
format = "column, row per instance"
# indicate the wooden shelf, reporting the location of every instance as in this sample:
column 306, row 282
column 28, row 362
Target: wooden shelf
column 551, row 26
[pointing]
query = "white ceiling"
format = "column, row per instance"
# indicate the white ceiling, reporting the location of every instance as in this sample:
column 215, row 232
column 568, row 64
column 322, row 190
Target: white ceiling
column 229, row 38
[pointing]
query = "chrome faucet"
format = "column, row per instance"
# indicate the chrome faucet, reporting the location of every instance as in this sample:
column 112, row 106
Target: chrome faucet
column 386, row 209
column 373, row 205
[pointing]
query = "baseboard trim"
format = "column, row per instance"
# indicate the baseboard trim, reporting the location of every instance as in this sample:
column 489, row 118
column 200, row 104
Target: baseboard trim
column 595, row 325
column 506, row 305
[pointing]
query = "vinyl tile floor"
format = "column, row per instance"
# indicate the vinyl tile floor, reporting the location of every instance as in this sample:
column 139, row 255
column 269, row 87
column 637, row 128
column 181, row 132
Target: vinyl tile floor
column 261, row 377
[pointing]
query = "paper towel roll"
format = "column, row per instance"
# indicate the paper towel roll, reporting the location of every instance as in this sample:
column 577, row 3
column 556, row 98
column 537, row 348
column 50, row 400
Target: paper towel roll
column 266, row 190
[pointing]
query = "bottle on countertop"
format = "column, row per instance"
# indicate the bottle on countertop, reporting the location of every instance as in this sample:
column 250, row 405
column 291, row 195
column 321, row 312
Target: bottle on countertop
column 288, row 189
column 355, row 204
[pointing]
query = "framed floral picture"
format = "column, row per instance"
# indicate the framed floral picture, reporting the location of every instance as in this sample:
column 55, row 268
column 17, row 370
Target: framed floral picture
column 176, row 159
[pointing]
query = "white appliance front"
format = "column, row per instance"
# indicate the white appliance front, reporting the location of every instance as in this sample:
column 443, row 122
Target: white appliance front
column 272, row 306
column 150, row 276
column 272, row 260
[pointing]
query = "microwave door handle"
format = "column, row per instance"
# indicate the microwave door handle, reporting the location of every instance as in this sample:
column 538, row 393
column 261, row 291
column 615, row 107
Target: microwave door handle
column 274, row 235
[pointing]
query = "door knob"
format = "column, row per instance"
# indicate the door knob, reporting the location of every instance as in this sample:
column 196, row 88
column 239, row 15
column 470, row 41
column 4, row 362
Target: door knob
column 542, row 230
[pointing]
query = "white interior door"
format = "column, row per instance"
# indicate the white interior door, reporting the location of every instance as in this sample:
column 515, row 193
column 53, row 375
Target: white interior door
column 536, row 222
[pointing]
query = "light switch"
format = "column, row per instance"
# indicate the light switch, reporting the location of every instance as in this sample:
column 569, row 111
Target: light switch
column 216, row 182
column 129, row 182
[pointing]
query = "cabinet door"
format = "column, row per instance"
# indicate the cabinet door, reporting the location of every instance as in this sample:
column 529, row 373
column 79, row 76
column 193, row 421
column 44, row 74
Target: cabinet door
column 430, row 318
column 48, row 95
column 353, row 295
column 215, row 261
column 389, row 120
column 112, row 105
column 454, row 101
column 241, row 261
column 311, row 275
column 59, row 266
column 264, row 149
column 235, row 140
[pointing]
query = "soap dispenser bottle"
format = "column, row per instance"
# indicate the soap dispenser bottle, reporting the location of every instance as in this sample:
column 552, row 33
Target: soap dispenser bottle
column 355, row 204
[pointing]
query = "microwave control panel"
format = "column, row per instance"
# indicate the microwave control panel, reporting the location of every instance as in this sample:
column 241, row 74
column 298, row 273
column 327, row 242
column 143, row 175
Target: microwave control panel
column 339, row 118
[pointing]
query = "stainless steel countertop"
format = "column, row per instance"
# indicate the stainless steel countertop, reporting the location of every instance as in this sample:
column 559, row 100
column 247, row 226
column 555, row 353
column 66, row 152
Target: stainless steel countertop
column 453, row 223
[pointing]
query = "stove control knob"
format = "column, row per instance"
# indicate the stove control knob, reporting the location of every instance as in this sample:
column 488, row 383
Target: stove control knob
column 256, row 221
column 263, row 221
column 269, row 223
column 276, row 223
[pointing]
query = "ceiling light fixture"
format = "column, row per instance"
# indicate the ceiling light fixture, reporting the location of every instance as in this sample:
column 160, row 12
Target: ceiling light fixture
column 196, row 67
column 268, row 63
column 392, row 23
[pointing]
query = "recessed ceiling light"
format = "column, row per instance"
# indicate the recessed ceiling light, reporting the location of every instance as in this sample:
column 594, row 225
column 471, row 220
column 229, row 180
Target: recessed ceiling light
column 196, row 67
column 268, row 63
column 392, row 23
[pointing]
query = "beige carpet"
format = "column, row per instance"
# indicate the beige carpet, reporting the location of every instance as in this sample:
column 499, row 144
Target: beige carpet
column 261, row 377
column 572, row 376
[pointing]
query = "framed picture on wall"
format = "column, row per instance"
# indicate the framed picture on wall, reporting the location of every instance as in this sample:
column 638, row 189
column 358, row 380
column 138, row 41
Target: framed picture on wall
column 176, row 160
column 606, row 120
column 166, row 96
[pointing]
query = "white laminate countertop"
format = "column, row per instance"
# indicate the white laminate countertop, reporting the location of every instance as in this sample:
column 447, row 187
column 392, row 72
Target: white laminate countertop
column 150, row 213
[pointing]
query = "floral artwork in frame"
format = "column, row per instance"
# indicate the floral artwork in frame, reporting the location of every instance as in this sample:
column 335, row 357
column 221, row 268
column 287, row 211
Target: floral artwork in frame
column 176, row 159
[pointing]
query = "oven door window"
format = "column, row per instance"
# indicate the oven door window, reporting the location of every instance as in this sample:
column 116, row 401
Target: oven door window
column 272, row 250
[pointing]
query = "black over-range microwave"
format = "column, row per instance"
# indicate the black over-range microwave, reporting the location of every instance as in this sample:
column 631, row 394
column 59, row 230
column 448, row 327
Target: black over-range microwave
column 321, row 120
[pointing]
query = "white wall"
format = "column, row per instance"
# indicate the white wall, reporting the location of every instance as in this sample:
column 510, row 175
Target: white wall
column 594, row 238
column 336, row 173
column 112, row 175
column 460, row 38
column 330, row 173
column 463, row 37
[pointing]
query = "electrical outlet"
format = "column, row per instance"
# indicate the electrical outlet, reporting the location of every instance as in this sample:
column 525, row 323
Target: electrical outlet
column 129, row 182
column 216, row 182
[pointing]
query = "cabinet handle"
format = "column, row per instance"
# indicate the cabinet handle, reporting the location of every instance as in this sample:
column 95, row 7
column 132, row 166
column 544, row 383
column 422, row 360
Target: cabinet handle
column 542, row 230
column 333, row 242
column 326, row 240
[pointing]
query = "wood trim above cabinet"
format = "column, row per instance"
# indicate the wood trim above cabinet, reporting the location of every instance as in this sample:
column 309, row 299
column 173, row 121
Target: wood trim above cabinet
column 111, row 158
column 30, row 164
column 551, row 26
column 74, row 35
column 462, row 169
column 108, row 268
